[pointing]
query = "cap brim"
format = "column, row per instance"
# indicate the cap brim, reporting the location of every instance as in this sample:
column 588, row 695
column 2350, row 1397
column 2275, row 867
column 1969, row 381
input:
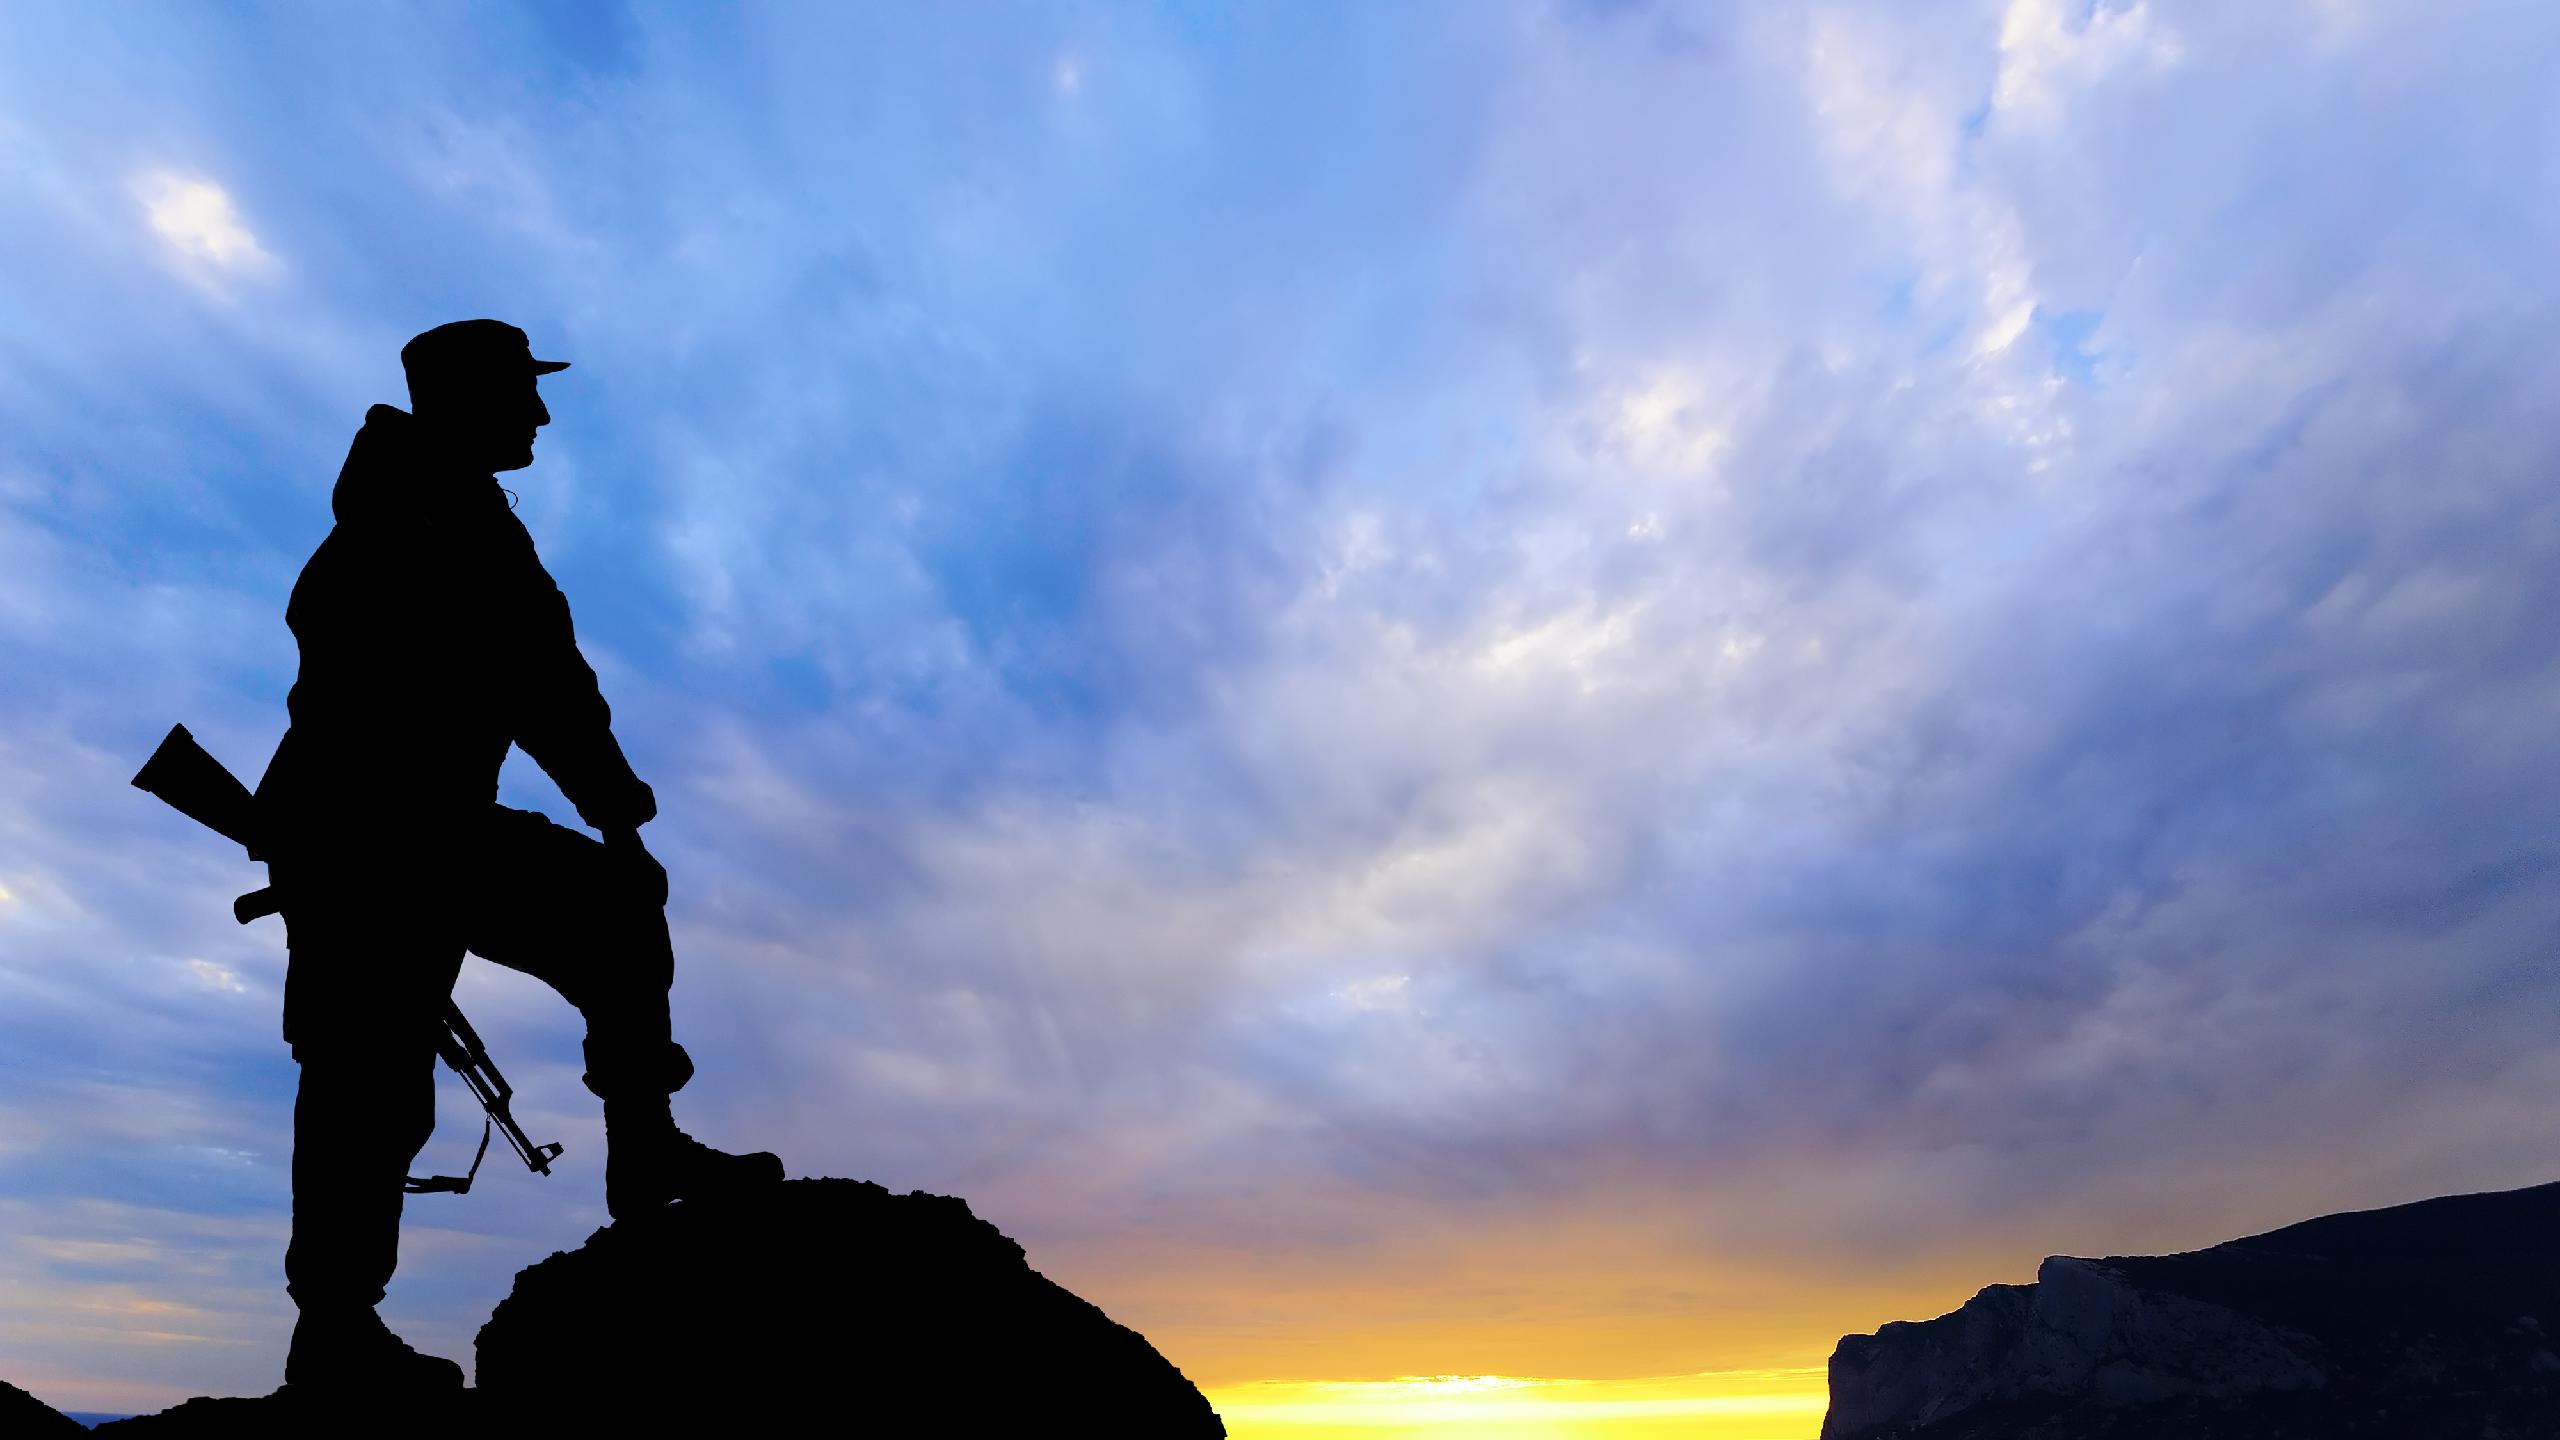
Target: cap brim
column 545, row 367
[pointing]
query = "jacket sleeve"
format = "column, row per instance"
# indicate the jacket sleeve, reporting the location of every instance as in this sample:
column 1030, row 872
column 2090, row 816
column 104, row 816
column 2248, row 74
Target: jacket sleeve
column 562, row 720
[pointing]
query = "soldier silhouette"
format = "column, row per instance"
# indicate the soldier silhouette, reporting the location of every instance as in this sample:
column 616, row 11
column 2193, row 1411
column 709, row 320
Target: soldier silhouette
column 432, row 639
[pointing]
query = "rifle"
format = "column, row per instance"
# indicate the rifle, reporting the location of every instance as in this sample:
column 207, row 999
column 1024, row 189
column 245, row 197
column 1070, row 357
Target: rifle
column 196, row 785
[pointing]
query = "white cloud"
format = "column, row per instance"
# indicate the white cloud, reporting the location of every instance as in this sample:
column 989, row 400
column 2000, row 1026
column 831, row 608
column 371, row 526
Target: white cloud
column 2044, row 57
column 213, row 976
column 205, row 237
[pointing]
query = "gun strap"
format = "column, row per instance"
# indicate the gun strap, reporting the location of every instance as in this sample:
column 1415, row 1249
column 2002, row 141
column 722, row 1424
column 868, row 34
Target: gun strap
column 450, row 1184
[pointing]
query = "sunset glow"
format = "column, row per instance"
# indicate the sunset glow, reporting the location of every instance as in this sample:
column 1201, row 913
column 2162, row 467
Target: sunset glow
column 1733, row 1405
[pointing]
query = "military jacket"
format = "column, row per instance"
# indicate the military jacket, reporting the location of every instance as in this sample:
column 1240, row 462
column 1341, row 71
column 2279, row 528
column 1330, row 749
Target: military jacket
column 431, row 639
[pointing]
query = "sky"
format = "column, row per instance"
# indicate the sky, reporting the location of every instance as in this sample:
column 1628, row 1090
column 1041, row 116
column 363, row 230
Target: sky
column 1495, row 712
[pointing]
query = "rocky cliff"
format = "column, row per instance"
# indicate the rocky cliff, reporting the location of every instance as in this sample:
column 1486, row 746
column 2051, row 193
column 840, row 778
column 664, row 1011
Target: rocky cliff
column 2413, row 1322
column 24, row 1417
column 829, row 1302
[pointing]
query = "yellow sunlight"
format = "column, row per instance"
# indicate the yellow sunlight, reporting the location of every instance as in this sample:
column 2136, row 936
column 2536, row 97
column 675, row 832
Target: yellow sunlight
column 1716, row 1405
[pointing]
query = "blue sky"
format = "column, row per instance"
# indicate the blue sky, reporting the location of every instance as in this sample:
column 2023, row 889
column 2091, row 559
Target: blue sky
column 1527, row 688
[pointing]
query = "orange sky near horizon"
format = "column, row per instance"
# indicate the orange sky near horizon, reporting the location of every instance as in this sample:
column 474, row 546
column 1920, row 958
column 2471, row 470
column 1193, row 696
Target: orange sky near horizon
column 1629, row 1319
column 1717, row 1405
column 1545, row 1327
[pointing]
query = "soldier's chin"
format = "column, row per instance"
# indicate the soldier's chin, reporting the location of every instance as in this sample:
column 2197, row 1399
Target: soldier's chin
column 516, row 461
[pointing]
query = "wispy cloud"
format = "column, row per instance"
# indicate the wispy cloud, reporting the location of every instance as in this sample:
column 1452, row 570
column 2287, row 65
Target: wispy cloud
column 1651, row 644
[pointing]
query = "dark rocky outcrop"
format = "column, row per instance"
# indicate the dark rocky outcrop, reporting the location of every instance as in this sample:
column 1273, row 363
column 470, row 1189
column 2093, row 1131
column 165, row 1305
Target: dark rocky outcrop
column 817, row 1301
column 824, row 1297
column 24, row 1417
column 2414, row 1322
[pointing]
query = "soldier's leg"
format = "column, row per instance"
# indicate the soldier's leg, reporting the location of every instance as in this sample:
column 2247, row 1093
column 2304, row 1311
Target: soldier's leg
column 573, row 917
column 362, row 1113
column 363, row 993
column 363, row 1110
column 558, row 906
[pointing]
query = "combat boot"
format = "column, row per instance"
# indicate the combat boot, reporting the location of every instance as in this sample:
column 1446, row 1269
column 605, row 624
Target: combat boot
column 350, row 1351
column 649, row 1163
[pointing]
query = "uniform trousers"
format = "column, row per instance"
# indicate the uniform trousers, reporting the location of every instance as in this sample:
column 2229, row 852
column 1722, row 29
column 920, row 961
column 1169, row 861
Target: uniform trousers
column 377, row 935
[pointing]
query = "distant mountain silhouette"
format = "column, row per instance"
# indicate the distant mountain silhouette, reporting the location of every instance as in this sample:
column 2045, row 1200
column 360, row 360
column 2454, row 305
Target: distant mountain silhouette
column 827, row 1301
column 2435, row 1319
column 24, row 1417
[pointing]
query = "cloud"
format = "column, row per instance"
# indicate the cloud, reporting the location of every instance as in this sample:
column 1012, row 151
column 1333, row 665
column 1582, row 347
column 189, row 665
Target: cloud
column 2043, row 54
column 207, row 240
column 1659, row 642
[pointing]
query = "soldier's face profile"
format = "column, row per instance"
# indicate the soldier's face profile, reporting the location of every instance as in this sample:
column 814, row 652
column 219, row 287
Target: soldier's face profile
column 494, row 425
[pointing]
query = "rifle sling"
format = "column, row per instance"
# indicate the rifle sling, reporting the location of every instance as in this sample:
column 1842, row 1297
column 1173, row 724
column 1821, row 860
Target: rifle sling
column 451, row 1184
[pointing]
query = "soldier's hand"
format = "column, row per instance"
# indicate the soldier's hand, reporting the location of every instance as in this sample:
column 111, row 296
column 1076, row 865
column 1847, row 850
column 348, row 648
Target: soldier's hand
column 639, row 868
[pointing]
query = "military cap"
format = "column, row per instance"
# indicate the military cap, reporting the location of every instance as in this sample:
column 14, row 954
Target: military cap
column 467, row 351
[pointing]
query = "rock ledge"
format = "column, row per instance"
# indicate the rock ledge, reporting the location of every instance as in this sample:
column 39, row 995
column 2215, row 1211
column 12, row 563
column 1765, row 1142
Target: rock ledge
column 826, row 1301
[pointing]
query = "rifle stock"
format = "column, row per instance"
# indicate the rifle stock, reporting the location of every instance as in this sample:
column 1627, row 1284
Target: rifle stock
column 197, row 786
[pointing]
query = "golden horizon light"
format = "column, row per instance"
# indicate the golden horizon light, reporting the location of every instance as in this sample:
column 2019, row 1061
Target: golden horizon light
column 1717, row 1405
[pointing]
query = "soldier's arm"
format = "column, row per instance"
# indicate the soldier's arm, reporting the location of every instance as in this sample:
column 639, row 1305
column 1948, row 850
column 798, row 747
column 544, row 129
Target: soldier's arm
column 562, row 720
